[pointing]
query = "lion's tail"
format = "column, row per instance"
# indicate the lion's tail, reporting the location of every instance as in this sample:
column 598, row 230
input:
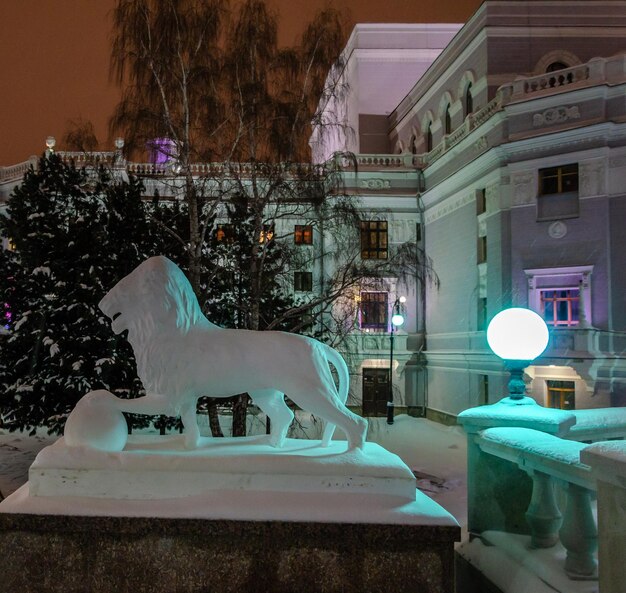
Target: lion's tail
column 344, row 386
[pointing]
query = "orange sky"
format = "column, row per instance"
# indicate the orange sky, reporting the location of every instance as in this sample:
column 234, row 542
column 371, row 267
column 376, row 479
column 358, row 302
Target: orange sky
column 54, row 59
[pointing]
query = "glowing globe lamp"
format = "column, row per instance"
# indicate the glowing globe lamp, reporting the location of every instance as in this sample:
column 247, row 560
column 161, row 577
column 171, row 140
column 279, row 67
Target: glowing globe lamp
column 397, row 319
column 517, row 336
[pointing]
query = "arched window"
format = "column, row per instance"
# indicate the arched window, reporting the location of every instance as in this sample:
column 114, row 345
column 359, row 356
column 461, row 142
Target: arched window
column 447, row 120
column 429, row 137
column 413, row 144
column 469, row 100
column 554, row 66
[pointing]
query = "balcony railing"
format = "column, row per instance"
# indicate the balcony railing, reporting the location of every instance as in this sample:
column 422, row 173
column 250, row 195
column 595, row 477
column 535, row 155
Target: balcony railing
column 510, row 444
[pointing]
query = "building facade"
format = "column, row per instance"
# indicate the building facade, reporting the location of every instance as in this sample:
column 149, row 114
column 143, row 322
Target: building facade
column 514, row 144
column 499, row 147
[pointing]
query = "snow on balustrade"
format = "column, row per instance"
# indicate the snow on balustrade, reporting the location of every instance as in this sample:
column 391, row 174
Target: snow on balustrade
column 599, row 424
column 547, row 458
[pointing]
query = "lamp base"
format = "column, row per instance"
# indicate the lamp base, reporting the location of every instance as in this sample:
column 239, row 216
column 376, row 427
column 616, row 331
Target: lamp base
column 518, row 401
column 390, row 412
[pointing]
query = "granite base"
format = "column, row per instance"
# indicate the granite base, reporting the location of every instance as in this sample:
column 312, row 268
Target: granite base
column 87, row 554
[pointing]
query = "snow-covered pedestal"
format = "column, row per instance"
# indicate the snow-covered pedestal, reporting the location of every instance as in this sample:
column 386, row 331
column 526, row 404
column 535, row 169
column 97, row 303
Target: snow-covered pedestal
column 233, row 515
column 153, row 467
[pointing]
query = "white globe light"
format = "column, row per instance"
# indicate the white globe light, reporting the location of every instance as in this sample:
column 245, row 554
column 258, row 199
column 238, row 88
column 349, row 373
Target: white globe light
column 397, row 319
column 517, row 334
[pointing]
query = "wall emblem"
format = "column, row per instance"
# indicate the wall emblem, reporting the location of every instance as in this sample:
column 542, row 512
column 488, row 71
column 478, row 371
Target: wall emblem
column 555, row 115
column 557, row 230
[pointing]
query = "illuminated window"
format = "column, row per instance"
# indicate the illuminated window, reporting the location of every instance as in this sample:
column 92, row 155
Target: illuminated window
column 225, row 233
column 374, row 239
column 560, row 294
column 302, row 281
column 560, row 307
column 267, row 233
column 162, row 151
column 561, row 395
column 373, row 310
column 303, row 234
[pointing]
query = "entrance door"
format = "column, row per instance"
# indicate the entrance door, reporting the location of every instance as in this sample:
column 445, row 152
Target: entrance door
column 375, row 391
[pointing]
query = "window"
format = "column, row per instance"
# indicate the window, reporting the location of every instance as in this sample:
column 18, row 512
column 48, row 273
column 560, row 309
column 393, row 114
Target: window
column 560, row 307
column 558, row 180
column 225, row 233
column 302, row 281
column 558, row 193
column 482, row 250
column 561, row 395
column 374, row 310
column 469, row 100
column 562, row 296
column 267, row 233
column 303, row 234
column 447, row 121
column 374, row 239
column 429, row 137
column 481, row 201
column 481, row 318
column 556, row 66
column 483, row 390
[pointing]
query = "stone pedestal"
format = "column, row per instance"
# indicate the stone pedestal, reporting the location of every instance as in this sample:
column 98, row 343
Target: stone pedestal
column 73, row 554
column 236, row 516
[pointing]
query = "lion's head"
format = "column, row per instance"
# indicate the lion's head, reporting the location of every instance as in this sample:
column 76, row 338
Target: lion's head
column 155, row 296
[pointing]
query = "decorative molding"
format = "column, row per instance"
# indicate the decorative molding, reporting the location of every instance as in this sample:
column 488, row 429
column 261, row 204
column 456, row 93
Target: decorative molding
column 555, row 115
column 448, row 206
column 482, row 280
column 592, row 176
column 557, row 230
column 523, row 188
column 482, row 227
column 375, row 184
column 481, row 143
column 617, row 161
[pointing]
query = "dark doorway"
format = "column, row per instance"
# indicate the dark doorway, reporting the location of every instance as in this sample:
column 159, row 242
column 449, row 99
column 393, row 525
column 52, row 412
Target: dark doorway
column 375, row 391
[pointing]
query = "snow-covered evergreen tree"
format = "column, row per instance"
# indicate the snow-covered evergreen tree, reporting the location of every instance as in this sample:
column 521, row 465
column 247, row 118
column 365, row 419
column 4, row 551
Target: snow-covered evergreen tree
column 76, row 233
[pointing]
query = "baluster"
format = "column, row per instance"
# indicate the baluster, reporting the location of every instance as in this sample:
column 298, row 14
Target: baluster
column 579, row 534
column 543, row 515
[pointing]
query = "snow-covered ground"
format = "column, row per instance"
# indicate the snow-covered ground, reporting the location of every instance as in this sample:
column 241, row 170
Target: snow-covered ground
column 434, row 452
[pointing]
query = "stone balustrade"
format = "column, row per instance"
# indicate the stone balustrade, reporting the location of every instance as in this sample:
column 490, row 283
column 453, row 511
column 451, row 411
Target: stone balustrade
column 597, row 71
column 528, row 473
column 16, row 172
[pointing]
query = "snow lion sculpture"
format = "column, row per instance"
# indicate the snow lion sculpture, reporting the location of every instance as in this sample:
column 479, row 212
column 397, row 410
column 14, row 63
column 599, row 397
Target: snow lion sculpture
column 182, row 356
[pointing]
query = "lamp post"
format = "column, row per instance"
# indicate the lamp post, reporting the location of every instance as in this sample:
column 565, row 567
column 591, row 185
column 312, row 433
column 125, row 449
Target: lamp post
column 397, row 319
column 517, row 336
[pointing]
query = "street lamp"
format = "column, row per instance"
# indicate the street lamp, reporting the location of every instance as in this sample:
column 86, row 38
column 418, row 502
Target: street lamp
column 397, row 319
column 517, row 336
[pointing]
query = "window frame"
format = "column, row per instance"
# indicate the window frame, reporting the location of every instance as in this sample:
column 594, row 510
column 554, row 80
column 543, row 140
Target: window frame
column 225, row 233
column 380, row 313
column 303, row 234
column 379, row 247
column 562, row 278
column 302, row 281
